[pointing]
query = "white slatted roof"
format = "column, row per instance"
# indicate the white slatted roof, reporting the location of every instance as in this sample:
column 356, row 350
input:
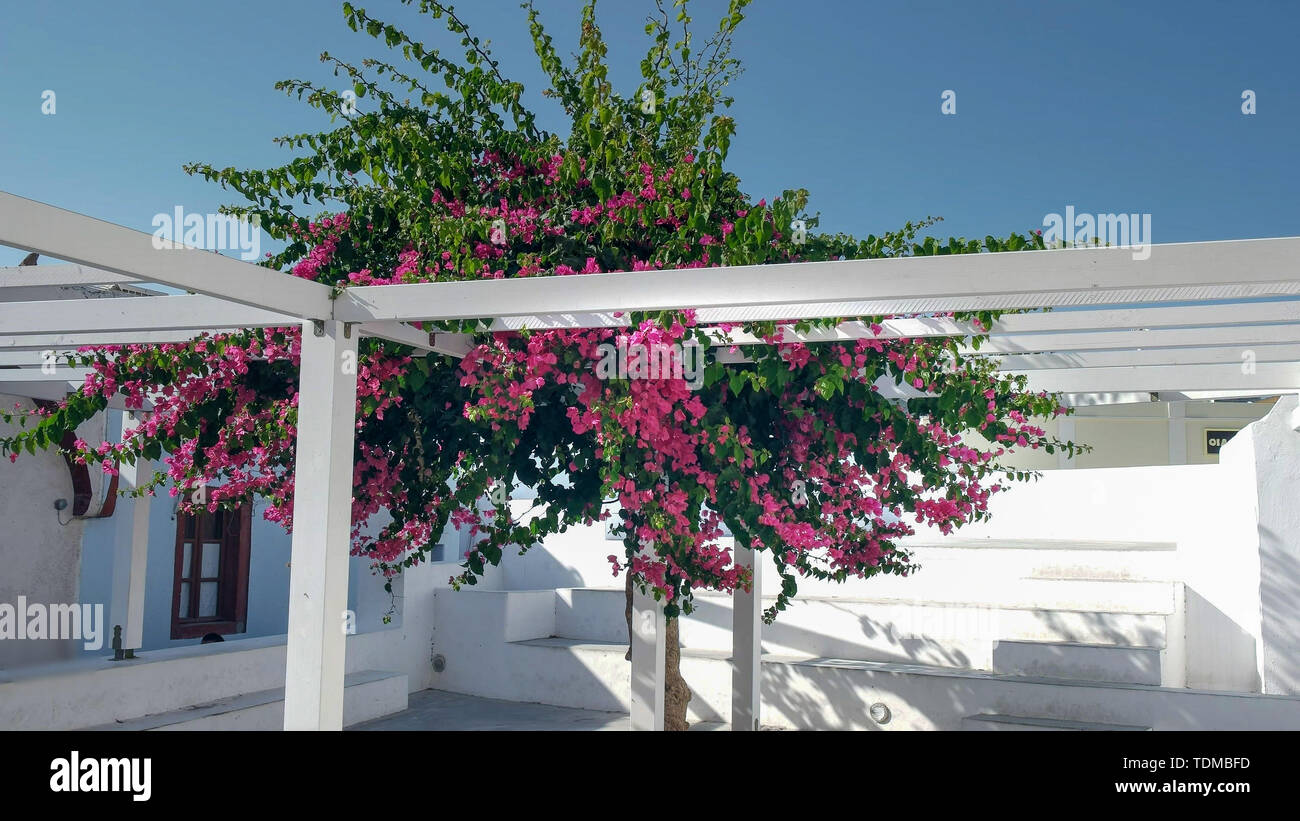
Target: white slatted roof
column 1115, row 329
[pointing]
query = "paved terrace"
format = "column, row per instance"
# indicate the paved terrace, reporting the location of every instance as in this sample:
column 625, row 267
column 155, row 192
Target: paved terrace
column 440, row 710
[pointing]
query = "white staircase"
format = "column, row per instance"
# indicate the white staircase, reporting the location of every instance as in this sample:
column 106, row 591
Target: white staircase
column 1028, row 635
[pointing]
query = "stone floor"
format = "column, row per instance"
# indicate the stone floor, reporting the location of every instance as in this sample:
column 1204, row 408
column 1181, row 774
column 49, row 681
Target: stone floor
column 439, row 710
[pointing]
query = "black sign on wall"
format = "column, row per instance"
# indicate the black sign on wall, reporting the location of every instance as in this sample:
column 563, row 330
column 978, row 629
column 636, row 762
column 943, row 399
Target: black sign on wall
column 1216, row 439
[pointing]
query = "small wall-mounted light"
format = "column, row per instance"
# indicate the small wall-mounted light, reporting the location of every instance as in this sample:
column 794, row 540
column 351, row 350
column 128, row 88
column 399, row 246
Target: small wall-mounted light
column 880, row 713
column 61, row 505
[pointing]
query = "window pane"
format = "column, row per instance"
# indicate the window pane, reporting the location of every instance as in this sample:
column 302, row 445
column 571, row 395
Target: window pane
column 189, row 526
column 207, row 599
column 211, row 560
column 185, row 600
column 186, row 558
column 213, row 524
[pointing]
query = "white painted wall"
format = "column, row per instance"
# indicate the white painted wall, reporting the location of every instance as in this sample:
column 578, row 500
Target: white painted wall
column 497, row 645
column 1157, row 504
column 92, row 690
column 39, row 558
column 1206, row 509
column 1264, row 465
column 1239, row 631
column 1137, row 434
column 268, row 578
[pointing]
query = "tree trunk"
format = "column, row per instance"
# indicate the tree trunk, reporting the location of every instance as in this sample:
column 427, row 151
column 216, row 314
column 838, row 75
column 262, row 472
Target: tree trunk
column 676, row 693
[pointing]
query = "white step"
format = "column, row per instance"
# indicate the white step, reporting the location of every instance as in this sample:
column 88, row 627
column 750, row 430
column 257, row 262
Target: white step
column 952, row 634
column 993, row 721
column 1069, row 660
column 1085, row 595
column 367, row 695
column 838, row 693
column 1046, row 558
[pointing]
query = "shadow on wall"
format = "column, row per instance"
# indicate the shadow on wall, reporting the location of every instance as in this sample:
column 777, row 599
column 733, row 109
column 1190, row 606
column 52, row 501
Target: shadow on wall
column 40, row 547
column 541, row 569
column 1220, row 654
column 834, row 703
column 1279, row 605
column 880, row 635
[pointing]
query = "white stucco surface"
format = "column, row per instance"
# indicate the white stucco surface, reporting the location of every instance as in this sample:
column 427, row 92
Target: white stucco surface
column 39, row 557
column 1264, row 557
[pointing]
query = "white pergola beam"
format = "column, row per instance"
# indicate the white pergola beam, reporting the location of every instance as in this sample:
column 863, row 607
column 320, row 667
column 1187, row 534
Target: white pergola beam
column 1158, row 356
column 58, row 374
column 453, row 344
column 64, row 235
column 35, row 276
column 1186, row 271
column 1237, row 336
column 130, row 315
column 1087, row 319
column 1092, row 309
column 55, row 391
column 73, row 341
column 399, row 332
column 1195, row 396
column 1223, row 336
column 1262, row 379
column 1034, row 341
column 1133, row 318
column 1087, row 400
column 21, row 359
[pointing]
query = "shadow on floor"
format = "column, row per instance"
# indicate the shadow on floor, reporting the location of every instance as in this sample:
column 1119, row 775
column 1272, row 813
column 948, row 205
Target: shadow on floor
column 440, row 710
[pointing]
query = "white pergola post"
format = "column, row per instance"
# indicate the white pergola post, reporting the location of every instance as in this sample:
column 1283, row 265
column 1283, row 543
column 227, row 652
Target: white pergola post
column 746, row 645
column 648, row 662
column 322, row 515
column 131, row 550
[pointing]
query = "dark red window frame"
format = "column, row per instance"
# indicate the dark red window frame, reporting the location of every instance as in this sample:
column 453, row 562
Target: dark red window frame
column 232, row 572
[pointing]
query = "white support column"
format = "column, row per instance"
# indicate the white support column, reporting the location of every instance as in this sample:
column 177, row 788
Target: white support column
column 747, row 645
column 648, row 664
column 322, row 514
column 131, row 549
column 1177, row 433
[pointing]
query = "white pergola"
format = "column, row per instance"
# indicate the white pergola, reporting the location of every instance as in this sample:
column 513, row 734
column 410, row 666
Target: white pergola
column 1192, row 317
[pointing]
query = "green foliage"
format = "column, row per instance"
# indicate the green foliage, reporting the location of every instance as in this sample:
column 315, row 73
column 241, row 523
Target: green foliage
column 421, row 168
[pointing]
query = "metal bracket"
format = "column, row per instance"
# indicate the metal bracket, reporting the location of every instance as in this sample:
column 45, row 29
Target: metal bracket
column 347, row 329
column 318, row 325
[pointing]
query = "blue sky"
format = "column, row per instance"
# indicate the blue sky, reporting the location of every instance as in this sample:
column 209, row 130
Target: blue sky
column 1107, row 106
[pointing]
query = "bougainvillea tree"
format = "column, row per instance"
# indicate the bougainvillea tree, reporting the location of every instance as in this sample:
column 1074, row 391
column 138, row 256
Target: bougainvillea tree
column 433, row 169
